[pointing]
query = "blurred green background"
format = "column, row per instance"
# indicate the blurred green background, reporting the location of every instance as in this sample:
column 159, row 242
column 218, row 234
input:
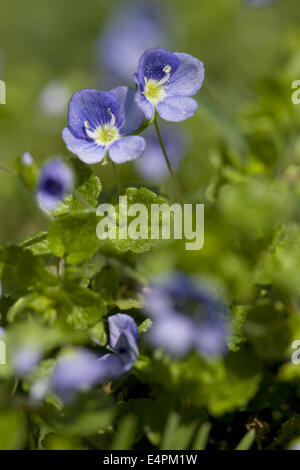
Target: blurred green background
column 251, row 57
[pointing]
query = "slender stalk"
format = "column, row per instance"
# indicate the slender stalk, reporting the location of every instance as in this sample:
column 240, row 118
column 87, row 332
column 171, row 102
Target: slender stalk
column 173, row 176
column 7, row 170
column 116, row 176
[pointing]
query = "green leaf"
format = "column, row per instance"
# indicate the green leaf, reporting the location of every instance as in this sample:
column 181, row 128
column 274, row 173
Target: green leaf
column 144, row 242
column 74, row 236
column 20, row 270
column 124, row 437
column 88, row 185
column 247, row 441
column 38, row 244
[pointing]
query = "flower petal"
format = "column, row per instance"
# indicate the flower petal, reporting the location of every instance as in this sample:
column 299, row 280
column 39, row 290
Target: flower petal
column 177, row 108
column 112, row 365
column 145, row 105
column 188, row 78
column 173, row 333
column 91, row 106
column 123, row 325
column 127, row 149
column 133, row 114
column 86, row 150
column 153, row 62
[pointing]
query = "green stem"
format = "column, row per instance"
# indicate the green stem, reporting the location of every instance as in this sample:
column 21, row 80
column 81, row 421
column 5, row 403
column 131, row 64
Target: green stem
column 116, row 175
column 176, row 184
column 8, row 170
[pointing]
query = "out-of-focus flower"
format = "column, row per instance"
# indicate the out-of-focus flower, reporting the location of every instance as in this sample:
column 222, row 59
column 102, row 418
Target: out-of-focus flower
column 54, row 98
column 55, row 182
column 99, row 122
column 127, row 37
column 166, row 81
column 152, row 167
column 27, row 159
column 186, row 318
column 81, row 369
column 77, row 370
column 25, row 358
column 124, row 343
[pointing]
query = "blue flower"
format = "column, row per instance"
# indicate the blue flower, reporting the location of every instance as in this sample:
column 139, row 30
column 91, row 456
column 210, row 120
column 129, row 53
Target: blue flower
column 121, row 44
column 99, row 122
column 56, row 181
column 152, row 167
column 124, row 344
column 76, row 370
column 25, row 359
column 81, row 369
column 186, row 318
column 166, row 81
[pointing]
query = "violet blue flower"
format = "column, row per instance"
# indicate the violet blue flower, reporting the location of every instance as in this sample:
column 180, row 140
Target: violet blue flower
column 152, row 167
column 166, row 81
column 81, row 369
column 124, row 344
column 77, row 370
column 186, row 318
column 99, row 122
column 134, row 30
column 56, row 181
column 25, row 359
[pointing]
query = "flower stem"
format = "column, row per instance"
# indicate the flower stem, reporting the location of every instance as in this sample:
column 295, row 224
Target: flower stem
column 173, row 176
column 8, row 170
column 116, row 175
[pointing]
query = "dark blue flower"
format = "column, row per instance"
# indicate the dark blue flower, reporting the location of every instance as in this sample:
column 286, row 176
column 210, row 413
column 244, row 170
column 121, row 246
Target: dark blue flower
column 186, row 318
column 152, row 167
column 135, row 29
column 166, row 81
column 56, row 181
column 124, row 344
column 99, row 122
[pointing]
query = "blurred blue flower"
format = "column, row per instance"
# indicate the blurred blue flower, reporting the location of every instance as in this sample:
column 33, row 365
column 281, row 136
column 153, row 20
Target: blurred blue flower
column 186, row 318
column 25, row 359
column 54, row 99
column 27, row 159
column 56, row 181
column 152, row 167
column 76, row 370
column 166, row 81
column 98, row 122
column 124, row 344
column 121, row 44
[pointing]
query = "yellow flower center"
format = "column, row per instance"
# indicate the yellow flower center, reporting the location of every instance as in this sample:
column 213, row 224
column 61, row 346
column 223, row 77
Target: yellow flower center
column 154, row 91
column 105, row 134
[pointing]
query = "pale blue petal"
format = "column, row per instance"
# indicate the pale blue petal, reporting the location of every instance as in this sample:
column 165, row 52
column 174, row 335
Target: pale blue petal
column 127, row 149
column 88, row 151
column 172, row 333
column 188, row 78
column 145, row 105
column 177, row 108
